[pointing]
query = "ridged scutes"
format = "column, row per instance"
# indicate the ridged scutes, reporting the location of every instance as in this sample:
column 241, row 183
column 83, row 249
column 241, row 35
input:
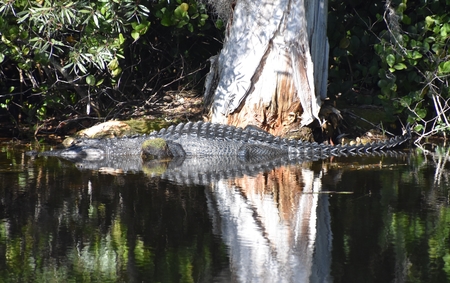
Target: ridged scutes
column 204, row 138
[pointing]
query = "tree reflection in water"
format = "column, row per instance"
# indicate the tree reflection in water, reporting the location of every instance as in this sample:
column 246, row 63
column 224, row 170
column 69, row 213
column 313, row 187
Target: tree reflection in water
column 273, row 225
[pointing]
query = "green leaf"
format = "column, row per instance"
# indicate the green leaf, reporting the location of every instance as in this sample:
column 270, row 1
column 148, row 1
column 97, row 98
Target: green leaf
column 421, row 113
column 430, row 39
column 135, row 35
column 100, row 81
column 382, row 83
column 25, row 50
column 22, row 19
column 416, row 55
column 184, row 7
column 160, row 13
column 429, row 21
column 90, row 80
column 114, row 64
column 139, row 27
column 144, row 9
column 142, row 28
column 219, row 24
column 181, row 11
column 405, row 101
column 2, row 57
column 426, row 46
column 24, row 34
column 446, row 27
column 166, row 20
column 181, row 23
column 373, row 70
column 390, row 59
column 121, row 39
column 95, row 20
column 406, row 20
column 81, row 67
column 344, row 43
column 399, row 66
column 116, row 72
column 444, row 67
column 401, row 7
column 394, row 87
column 444, row 32
column 418, row 127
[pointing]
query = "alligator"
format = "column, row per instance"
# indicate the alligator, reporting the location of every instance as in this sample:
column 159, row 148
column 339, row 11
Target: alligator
column 210, row 139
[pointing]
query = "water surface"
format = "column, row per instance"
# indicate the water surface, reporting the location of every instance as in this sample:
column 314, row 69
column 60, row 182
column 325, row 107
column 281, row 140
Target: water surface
column 359, row 219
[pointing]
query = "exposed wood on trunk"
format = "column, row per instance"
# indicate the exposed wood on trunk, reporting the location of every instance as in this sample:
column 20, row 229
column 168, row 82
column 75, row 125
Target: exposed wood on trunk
column 278, row 106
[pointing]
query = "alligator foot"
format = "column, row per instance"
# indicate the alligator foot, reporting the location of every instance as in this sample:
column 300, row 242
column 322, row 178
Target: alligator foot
column 159, row 148
column 155, row 149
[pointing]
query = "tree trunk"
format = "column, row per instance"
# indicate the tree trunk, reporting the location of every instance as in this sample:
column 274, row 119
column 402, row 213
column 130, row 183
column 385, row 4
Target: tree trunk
column 266, row 74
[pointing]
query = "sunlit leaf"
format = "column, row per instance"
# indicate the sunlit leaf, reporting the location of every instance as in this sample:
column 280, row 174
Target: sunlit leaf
column 144, row 9
column 135, row 35
column 390, row 59
column 429, row 21
column 81, row 67
column 116, row 72
column 418, row 127
column 444, row 67
column 96, row 20
column 114, row 64
column 121, row 39
column 399, row 66
column 99, row 82
column 180, row 11
column 90, row 80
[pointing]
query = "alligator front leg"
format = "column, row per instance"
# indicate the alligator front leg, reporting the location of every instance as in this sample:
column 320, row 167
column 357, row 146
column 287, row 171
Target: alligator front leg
column 160, row 148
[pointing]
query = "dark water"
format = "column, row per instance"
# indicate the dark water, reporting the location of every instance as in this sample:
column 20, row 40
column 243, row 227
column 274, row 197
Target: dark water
column 373, row 219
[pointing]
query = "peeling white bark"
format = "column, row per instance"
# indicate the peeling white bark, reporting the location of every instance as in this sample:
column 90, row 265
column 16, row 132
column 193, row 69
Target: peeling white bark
column 316, row 19
column 266, row 39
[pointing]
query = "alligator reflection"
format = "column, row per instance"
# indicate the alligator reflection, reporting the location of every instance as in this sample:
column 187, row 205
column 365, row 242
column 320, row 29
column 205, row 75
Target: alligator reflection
column 269, row 213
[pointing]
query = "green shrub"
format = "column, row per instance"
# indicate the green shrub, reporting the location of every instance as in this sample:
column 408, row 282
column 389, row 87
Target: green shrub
column 60, row 56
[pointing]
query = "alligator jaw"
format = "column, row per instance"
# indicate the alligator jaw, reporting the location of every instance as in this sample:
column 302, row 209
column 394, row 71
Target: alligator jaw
column 75, row 153
column 86, row 153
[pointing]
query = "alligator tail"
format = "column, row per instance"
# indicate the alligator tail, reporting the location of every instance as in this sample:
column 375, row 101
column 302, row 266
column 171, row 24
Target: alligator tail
column 322, row 150
column 381, row 146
